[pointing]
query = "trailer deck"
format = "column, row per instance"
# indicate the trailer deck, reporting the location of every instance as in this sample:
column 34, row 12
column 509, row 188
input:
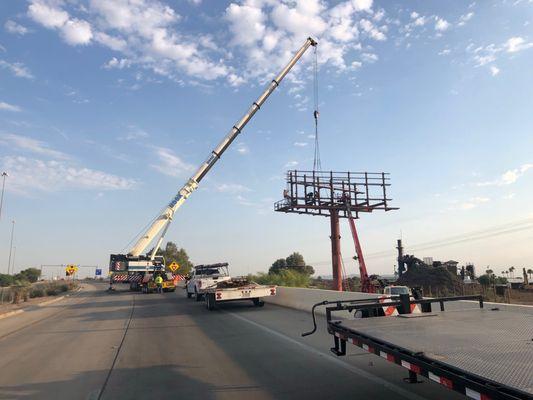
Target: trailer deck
column 493, row 345
column 482, row 353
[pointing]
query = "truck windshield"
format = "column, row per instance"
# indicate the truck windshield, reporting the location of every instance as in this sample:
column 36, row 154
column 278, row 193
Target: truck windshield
column 211, row 271
column 399, row 290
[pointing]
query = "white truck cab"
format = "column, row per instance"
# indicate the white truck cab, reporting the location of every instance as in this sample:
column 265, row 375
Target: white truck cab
column 204, row 276
column 396, row 290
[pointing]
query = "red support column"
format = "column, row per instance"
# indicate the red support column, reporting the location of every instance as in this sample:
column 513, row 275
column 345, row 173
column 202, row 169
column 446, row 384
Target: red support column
column 336, row 251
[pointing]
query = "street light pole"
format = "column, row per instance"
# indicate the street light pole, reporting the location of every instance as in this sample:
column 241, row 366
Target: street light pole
column 4, row 175
column 14, row 255
column 11, row 246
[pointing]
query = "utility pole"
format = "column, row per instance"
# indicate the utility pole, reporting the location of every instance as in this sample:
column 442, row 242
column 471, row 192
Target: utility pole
column 4, row 175
column 11, row 245
column 401, row 264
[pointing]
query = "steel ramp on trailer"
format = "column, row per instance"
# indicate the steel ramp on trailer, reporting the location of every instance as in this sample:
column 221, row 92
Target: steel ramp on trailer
column 482, row 353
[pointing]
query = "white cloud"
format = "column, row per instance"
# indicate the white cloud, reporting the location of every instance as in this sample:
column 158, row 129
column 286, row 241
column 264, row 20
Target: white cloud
column 494, row 70
column 300, row 144
column 444, row 52
column 77, row 31
column 441, row 24
column 267, row 32
column 15, row 28
column 48, row 16
column 18, row 69
column 232, row 188
column 291, row 164
column 371, row 30
column 484, row 55
column 169, row 163
column 473, row 203
column 119, row 64
column 516, row 44
column 369, row 57
column 242, row 148
column 134, row 133
column 31, row 145
column 465, row 18
column 113, row 42
column 509, row 177
column 9, row 107
column 28, row 174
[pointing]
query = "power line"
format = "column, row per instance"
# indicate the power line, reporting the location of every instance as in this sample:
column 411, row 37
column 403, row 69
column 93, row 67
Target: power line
column 499, row 230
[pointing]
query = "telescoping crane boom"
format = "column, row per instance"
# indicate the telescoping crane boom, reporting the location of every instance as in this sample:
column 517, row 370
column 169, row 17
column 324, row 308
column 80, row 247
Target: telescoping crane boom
column 162, row 222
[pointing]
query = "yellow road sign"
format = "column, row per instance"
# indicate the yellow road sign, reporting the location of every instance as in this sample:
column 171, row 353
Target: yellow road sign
column 174, row 266
column 71, row 269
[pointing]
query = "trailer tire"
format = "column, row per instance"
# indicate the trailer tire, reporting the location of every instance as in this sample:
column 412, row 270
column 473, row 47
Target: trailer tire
column 258, row 302
column 210, row 301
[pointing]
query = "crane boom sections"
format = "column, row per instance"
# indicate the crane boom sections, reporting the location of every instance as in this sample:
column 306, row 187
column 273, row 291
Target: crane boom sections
column 161, row 222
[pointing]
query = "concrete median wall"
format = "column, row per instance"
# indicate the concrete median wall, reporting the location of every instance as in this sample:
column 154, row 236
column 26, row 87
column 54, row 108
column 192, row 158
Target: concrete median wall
column 303, row 298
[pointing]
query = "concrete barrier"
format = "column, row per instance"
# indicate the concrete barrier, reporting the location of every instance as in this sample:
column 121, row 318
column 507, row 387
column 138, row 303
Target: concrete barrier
column 303, row 298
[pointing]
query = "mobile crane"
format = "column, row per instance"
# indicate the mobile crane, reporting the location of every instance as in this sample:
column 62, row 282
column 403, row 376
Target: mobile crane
column 132, row 267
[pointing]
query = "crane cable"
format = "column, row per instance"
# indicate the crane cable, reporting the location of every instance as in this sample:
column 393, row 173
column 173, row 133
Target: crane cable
column 317, row 165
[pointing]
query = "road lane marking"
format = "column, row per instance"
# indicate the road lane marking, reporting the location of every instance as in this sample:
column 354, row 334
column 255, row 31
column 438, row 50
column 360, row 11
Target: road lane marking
column 127, row 327
column 357, row 371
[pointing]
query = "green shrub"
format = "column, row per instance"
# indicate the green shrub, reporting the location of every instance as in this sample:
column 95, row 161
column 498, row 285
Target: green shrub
column 64, row 287
column 285, row 277
column 52, row 291
column 37, row 292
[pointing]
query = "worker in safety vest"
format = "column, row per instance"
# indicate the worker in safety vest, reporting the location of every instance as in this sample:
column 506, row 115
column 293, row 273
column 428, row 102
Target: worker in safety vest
column 159, row 283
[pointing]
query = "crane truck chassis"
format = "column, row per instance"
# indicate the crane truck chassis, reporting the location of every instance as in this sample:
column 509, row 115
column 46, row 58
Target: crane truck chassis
column 484, row 354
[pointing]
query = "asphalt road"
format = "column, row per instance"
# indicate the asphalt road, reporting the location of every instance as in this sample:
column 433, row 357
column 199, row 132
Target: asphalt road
column 95, row 345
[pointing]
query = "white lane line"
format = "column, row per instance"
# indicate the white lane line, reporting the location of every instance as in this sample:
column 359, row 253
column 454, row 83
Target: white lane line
column 362, row 373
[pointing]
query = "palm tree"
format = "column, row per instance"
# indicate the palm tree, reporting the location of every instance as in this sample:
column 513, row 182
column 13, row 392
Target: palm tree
column 511, row 270
column 489, row 272
column 505, row 273
column 530, row 272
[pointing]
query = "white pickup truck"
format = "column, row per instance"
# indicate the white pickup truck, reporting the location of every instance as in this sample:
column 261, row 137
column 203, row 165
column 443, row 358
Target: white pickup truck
column 204, row 276
column 237, row 289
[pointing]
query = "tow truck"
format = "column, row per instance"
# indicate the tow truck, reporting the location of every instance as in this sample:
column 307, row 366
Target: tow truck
column 123, row 265
column 482, row 353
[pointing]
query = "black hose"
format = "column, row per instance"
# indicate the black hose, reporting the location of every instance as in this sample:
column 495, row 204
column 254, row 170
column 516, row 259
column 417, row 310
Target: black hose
column 323, row 303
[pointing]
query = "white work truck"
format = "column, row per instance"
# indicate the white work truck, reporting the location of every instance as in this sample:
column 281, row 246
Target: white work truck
column 204, row 276
column 237, row 289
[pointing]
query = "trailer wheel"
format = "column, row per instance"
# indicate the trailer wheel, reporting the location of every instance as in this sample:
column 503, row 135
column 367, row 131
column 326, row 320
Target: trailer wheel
column 210, row 301
column 258, row 302
column 199, row 297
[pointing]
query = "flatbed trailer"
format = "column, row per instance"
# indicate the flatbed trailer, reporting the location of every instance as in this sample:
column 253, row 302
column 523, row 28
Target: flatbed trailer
column 237, row 289
column 482, row 353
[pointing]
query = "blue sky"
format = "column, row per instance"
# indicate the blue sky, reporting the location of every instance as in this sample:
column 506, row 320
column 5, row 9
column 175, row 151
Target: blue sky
column 107, row 107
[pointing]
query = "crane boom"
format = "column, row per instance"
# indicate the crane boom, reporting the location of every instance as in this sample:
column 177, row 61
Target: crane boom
column 162, row 221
